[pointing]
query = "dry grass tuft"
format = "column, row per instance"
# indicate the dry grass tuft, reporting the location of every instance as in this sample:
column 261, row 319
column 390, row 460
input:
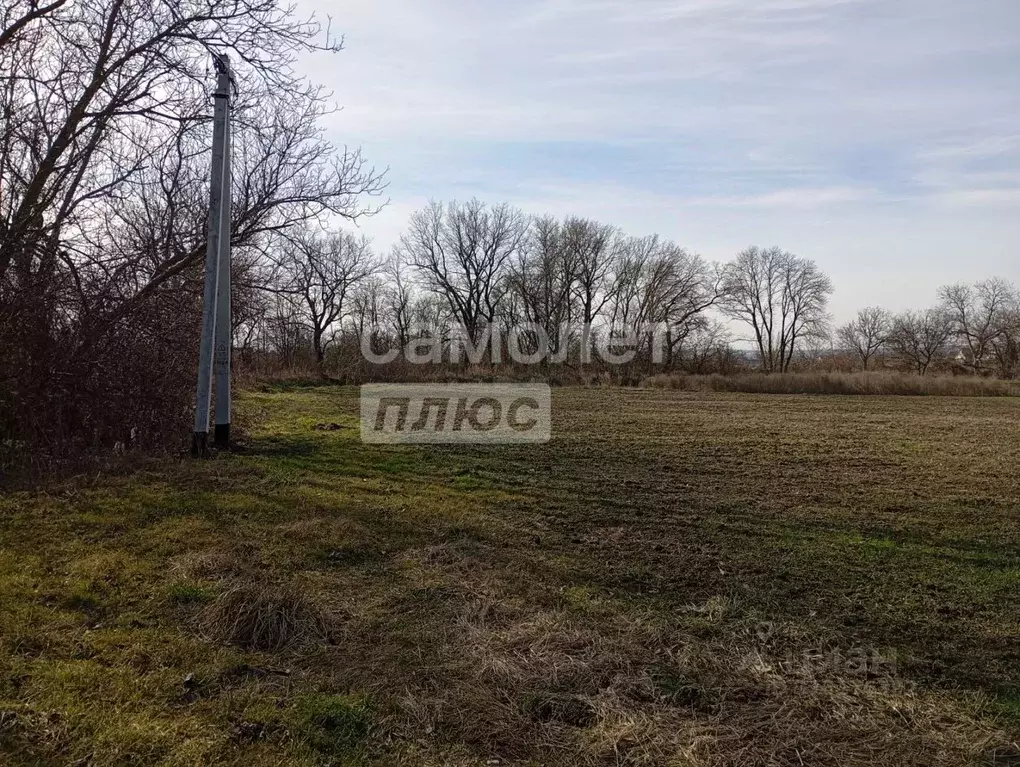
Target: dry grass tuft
column 209, row 564
column 267, row 617
column 619, row 690
column 838, row 383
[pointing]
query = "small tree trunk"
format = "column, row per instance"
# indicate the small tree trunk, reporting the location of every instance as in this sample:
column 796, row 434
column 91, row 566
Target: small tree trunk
column 320, row 352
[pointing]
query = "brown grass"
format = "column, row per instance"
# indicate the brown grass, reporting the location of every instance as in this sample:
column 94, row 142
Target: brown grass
column 678, row 579
column 883, row 383
column 594, row 683
column 266, row 617
column 207, row 564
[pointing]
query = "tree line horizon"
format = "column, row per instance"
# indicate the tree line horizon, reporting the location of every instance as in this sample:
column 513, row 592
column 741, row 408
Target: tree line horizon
column 468, row 268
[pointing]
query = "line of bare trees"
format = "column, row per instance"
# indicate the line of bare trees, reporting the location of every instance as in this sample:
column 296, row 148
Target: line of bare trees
column 974, row 328
column 486, row 271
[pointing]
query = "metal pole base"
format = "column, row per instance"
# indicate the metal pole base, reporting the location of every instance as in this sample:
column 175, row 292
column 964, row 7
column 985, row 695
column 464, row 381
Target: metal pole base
column 221, row 436
column 200, row 445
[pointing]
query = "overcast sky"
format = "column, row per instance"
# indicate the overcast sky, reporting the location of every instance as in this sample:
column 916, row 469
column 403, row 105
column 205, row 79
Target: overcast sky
column 880, row 138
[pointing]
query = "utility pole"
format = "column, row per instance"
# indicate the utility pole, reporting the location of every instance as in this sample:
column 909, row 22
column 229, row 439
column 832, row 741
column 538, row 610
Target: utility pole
column 219, row 209
column 224, row 326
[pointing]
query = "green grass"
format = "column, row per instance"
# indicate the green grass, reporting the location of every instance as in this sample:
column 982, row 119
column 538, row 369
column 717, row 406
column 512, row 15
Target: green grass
column 339, row 722
column 677, row 578
column 190, row 593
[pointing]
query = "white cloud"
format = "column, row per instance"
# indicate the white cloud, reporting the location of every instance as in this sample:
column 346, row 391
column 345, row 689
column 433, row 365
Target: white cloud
column 813, row 124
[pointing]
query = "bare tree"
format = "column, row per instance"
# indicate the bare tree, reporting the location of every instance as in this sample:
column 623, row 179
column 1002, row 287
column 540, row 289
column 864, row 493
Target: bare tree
column 1006, row 345
column 104, row 141
column 249, row 304
column 461, row 252
column 866, row 335
column 101, row 84
column 543, row 280
column 783, row 298
column 661, row 288
column 319, row 272
column 398, row 301
column 979, row 315
column 368, row 306
column 594, row 249
column 919, row 339
column 285, row 333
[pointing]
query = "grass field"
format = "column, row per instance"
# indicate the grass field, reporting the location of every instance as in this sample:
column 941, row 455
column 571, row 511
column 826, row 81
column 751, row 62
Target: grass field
column 677, row 579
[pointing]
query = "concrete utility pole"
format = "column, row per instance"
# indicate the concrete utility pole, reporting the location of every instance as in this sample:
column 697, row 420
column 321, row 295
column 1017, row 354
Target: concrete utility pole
column 217, row 264
column 224, row 327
